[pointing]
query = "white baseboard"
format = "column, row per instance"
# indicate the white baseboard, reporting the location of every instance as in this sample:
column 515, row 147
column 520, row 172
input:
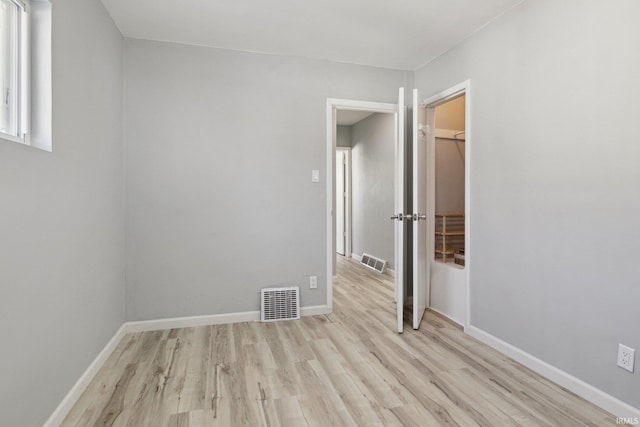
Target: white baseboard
column 314, row 310
column 579, row 387
column 356, row 257
column 214, row 319
column 191, row 321
column 80, row 386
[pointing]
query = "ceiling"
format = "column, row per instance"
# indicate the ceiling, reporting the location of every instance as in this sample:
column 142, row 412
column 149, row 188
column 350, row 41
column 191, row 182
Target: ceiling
column 398, row 34
column 351, row 117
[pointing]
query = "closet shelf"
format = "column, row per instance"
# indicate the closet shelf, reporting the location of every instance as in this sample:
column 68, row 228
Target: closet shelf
column 450, row 233
column 449, row 236
column 446, row 251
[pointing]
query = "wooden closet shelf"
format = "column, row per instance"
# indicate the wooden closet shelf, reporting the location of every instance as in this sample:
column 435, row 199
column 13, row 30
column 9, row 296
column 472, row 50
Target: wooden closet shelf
column 450, row 233
column 447, row 251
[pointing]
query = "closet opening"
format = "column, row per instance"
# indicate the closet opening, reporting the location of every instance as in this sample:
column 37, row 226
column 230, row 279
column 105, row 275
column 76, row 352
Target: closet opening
column 449, row 159
column 450, row 221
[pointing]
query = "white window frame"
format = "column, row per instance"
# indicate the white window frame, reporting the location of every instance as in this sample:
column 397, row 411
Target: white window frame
column 24, row 76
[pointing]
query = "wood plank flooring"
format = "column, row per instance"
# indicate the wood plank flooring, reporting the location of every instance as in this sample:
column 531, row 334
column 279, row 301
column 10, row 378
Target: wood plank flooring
column 346, row 369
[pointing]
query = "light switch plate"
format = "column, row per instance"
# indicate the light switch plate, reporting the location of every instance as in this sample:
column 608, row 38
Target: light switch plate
column 315, row 175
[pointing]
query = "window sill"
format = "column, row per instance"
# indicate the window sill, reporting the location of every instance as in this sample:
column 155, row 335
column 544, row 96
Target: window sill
column 44, row 146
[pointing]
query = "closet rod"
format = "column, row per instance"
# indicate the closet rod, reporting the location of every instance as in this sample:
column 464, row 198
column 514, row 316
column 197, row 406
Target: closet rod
column 449, row 138
column 450, row 135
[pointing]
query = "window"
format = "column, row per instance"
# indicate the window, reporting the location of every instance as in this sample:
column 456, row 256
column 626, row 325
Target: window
column 14, row 54
column 25, row 72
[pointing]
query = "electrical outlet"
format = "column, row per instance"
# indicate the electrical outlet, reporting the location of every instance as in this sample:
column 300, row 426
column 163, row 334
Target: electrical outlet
column 626, row 357
column 313, row 282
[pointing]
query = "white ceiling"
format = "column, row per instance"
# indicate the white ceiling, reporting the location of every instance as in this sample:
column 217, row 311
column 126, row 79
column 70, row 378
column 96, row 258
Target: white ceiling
column 351, row 117
column 399, row 34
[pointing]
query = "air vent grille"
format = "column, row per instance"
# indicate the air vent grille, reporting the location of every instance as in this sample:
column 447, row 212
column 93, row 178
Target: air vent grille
column 280, row 304
column 373, row 263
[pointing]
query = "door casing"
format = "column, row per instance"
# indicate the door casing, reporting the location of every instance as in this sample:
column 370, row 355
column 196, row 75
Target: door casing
column 430, row 104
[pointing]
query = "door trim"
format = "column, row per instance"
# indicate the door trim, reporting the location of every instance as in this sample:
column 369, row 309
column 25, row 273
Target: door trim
column 333, row 105
column 430, row 104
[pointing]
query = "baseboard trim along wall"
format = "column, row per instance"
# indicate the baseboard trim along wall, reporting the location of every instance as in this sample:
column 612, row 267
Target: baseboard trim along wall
column 80, row 386
column 558, row 376
column 214, row 319
column 190, row 322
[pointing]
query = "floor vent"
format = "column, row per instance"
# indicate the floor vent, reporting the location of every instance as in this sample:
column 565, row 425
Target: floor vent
column 374, row 263
column 280, row 304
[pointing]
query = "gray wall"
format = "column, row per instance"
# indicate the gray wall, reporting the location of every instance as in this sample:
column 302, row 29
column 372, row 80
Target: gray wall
column 62, row 223
column 343, row 136
column 554, row 182
column 220, row 146
column 372, row 158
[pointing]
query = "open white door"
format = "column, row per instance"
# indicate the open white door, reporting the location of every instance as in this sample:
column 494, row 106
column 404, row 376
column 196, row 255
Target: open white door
column 421, row 263
column 398, row 216
column 340, row 202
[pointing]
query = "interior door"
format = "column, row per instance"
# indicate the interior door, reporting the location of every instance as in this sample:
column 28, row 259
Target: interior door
column 340, row 202
column 421, row 263
column 398, row 216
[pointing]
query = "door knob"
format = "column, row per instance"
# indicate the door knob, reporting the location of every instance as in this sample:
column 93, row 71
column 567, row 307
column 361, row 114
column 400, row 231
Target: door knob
column 418, row 217
column 402, row 217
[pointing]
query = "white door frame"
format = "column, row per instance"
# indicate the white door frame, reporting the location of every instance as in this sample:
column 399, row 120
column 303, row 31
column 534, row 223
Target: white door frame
column 333, row 105
column 347, row 200
column 430, row 104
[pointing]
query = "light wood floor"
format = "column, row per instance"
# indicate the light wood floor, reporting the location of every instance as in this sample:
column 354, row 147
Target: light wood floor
column 345, row 369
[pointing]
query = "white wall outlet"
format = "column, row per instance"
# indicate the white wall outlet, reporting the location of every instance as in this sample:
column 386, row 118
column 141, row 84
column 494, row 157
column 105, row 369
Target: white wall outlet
column 626, row 357
column 315, row 175
column 313, row 282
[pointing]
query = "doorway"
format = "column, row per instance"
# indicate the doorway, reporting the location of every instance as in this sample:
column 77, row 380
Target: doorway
column 365, row 188
column 449, row 182
column 334, row 183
